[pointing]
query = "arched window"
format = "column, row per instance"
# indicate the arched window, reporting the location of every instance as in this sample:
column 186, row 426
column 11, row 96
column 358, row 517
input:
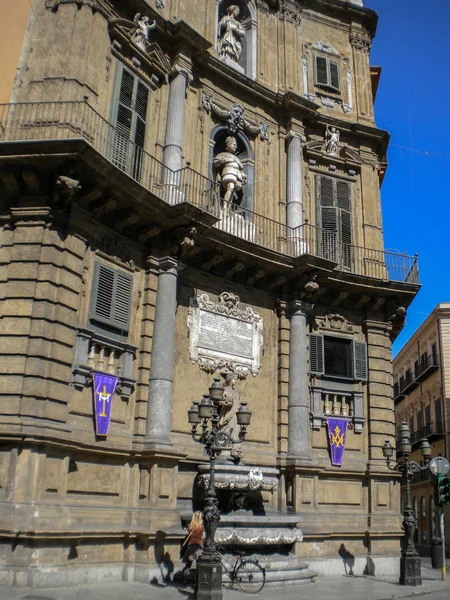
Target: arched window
column 237, row 35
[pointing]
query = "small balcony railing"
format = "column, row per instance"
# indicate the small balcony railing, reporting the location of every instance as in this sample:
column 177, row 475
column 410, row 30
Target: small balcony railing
column 428, row 431
column 48, row 121
column 427, row 365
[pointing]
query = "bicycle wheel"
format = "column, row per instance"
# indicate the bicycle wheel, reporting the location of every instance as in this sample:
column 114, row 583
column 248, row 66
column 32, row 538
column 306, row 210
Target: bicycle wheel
column 250, row 577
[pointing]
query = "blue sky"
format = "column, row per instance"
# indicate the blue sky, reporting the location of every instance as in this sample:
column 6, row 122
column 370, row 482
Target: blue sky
column 412, row 46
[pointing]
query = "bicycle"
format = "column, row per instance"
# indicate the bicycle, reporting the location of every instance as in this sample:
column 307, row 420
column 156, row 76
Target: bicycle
column 248, row 574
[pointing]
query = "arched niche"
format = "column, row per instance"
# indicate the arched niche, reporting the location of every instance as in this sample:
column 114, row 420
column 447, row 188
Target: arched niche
column 219, row 133
column 247, row 18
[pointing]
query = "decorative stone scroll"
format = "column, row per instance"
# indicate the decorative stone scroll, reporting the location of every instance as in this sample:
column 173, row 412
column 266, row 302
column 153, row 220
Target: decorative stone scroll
column 224, row 336
column 235, row 117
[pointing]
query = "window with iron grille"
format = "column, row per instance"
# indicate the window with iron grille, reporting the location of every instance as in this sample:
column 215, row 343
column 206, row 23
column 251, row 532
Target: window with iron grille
column 326, row 74
column 337, row 357
column 111, row 301
column 130, row 120
column 335, row 219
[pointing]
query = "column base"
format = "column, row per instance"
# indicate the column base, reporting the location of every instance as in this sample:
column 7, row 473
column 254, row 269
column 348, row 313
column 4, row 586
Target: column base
column 208, row 579
column 410, row 573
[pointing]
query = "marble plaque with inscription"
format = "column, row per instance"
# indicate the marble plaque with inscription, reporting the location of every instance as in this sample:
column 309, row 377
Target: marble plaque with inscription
column 225, row 336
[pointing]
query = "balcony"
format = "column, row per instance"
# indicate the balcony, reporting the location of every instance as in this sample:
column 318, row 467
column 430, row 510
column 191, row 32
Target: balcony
column 431, row 431
column 427, row 365
column 404, row 387
column 77, row 120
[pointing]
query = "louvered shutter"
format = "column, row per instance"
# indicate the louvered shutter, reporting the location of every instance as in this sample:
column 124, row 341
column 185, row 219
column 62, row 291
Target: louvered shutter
column 360, row 360
column 124, row 121
column 111, row 298
column 328, row 218
column 316, row 353
column 321, row 71
column 334, row 75
column 129, row 138
column 345, row 222
column 142, row 94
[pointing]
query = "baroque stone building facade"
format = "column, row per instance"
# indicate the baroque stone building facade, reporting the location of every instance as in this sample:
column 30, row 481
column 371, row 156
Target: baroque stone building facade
column 421, row 384
column 121, row 254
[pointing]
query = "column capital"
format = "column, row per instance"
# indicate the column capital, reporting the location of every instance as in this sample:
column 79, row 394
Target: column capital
column 298, row 306
column 182, row 65
column 360, row 39
column 295, row 130
column 165, row 264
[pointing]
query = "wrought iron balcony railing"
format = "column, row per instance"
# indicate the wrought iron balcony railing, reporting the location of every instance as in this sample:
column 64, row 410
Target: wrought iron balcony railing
column 429, row 430
column 426, row 366
column 78, row 120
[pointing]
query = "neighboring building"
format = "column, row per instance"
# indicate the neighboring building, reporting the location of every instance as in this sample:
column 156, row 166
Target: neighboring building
column 421, row 396
column 119, row 254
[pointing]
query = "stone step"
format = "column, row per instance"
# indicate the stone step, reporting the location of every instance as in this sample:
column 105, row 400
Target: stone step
column 281, row 571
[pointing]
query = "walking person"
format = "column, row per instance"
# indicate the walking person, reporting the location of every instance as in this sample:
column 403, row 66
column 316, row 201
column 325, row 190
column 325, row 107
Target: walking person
column 193, row 544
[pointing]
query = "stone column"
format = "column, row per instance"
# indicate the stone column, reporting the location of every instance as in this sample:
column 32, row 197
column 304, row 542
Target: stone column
column 162, row 361
column 294, row 181
column 179, row 77
column 298, row 398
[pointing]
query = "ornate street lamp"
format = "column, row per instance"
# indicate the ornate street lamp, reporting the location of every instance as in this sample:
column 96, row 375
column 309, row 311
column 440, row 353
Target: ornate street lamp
column 208, row 582
column 410, row 562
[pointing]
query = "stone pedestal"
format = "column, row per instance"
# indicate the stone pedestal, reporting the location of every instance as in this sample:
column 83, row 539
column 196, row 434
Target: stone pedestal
column 410, row 573
column 208, row 583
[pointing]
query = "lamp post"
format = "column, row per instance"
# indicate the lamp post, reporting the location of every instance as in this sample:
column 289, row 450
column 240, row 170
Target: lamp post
column 208, row 581
column 410, row 562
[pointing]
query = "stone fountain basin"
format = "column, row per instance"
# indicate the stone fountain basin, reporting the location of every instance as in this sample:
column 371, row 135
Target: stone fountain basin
column 258, row 530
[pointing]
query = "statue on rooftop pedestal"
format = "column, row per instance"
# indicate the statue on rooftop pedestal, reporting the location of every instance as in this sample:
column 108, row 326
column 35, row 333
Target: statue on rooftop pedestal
column 231, row 33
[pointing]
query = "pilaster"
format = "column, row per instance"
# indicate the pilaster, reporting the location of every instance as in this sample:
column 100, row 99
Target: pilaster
column 381, row 417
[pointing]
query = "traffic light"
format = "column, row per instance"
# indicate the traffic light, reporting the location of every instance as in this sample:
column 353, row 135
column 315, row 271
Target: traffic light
column 444, row 490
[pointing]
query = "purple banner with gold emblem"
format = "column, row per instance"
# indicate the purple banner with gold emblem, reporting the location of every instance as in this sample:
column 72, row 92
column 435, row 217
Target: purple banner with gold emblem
column 337, row 432
column 103, row 387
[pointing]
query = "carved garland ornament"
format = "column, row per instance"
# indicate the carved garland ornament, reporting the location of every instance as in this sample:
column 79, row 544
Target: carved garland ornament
column 335, row 322
column 253, row 481
column 248, row 537
column 225, row 337
column 234, row 117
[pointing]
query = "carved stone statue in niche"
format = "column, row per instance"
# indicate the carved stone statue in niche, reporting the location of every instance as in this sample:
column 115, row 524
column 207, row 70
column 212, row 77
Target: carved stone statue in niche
column 141, row 34
column 231, row 33
column 229, row 169
column 227, row 416
column 332, row 136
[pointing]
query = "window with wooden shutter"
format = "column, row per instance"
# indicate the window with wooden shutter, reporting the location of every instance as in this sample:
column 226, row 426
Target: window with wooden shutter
column 130, row 122
column 334, row 219
column 326, row 74
column 316, row 357
column 360, row 360
column 338, row 357
column 111, row 299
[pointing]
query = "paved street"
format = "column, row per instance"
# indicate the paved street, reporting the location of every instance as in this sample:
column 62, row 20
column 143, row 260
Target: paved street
column 325, row 588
